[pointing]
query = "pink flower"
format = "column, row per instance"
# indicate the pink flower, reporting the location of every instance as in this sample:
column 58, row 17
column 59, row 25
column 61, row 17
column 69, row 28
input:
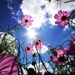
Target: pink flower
column 70, row 50
column 48, row 45
column 59, row 56
column 26, row 20
column 8, row 65
column 38, row 43
column 29, row 49
column 73, row 38
column 62, row 17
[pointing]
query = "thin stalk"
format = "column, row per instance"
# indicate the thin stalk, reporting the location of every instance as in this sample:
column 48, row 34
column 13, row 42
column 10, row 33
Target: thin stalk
column 64, row 42
column 42, row 61
column 72, row 22
column 26, row 59
column 52, row 67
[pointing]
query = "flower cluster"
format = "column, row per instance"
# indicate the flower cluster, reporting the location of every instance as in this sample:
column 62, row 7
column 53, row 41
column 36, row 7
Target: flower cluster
column 10, row 64
column 62, row 17
column 70, row 50
column 38, row 45
column 26, row 20
column 59, row 56
column 8, row 43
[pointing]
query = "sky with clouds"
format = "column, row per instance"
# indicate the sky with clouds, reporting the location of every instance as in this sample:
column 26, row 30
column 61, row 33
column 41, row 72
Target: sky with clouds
column 43, row 27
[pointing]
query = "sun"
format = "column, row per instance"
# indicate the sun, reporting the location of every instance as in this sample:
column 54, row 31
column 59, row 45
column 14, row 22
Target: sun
column 31, row 33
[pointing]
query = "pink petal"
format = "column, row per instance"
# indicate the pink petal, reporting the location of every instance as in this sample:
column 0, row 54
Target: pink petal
column 57, row 16
column 31, row 49
column 65, row 13
column 2, row 56
column 5, row 73
column 8, row 58
column 48, row 45
column 29, row 23
column 58, row 21
column 61, row 24
column 6, row 65
column 54, row 52
column 24, row 24
column 42, row 43
column 69, row 14
column 31, row 20
column 66, row 22
column 23, row 20
column 60, row 52
column 27, row 26
column 73, row 38
column 60, row 13
column 29, row 45
column 26, row 16
column 55, row 59
column 29, row 17
column 28, row 52
column 65, row 50
column 37, row 48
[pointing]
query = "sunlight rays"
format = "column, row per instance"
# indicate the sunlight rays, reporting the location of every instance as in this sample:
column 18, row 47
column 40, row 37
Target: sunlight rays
column 31, row 33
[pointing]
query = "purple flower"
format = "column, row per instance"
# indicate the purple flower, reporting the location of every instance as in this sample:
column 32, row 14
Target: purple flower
column 70, row 50
column 29, row 49
column 59, row 56
column 48, row 45
column 26, row 20
column 62, row 17
column 8, row 65
column 73, row 38
column 38, row 43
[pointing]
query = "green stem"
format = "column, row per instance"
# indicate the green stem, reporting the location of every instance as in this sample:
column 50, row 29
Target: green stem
column 72, row 22
column 64, row 42
column 57, row 46
column 42, row 61
column 14, row 26
column 52, row 66
column 70, row 25
column 26, row 59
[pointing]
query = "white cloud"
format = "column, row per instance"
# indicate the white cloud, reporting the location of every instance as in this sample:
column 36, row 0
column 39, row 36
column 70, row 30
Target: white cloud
column 43, row 50
column 14, row 10
column 10, row 7
column 33, row 8
column 9, row 1
column 53, row 9
column 73, row 24
column 66, row 27
column 41, row 67
column 72, row 32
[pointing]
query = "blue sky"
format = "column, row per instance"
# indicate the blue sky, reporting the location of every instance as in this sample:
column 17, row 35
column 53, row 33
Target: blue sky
column 42, row 12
